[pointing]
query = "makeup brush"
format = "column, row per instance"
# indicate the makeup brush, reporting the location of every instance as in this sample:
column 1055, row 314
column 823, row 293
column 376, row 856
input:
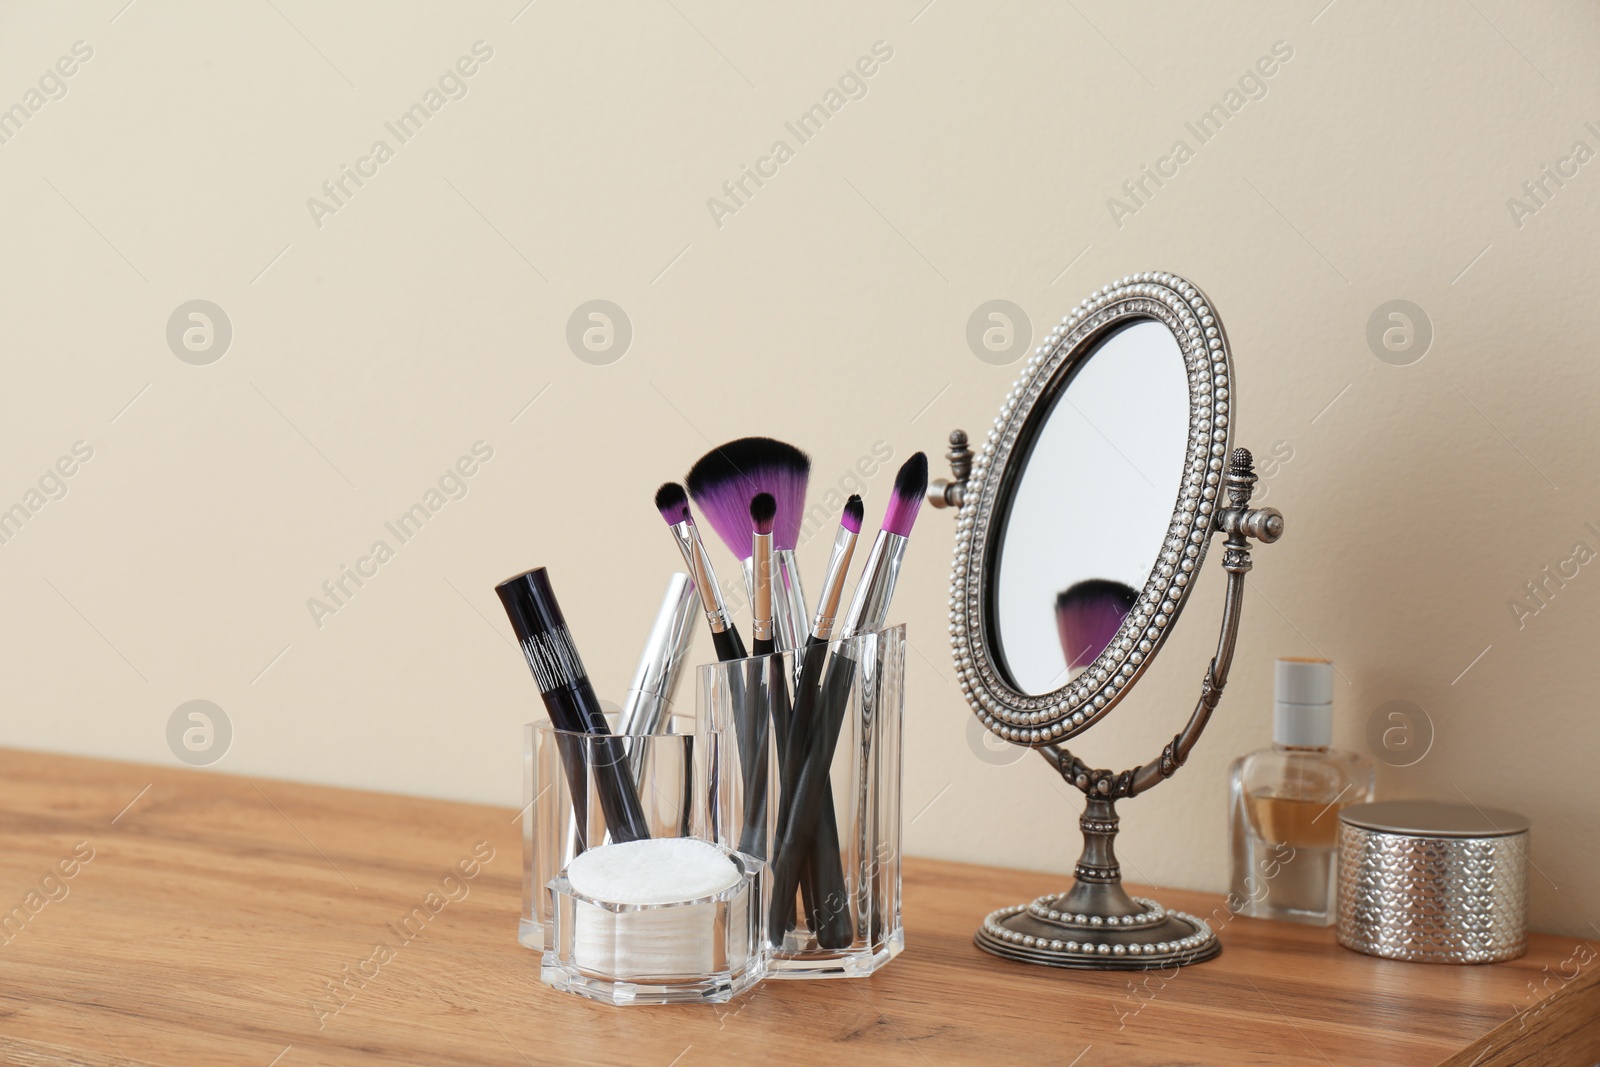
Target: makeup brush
column 673, row 503
column 761, row 511
column 844, row 546
column 570, row 700
column 844, row 543
column 869, row 610
column 822, row 874
column 753, row 837
column 869, row 607
column 748, row 721
column 1088, row 616
column 722, row 484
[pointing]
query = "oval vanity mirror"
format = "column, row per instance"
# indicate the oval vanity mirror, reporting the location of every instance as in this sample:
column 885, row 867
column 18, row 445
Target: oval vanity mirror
column 1083, row 524
column 1110, row 439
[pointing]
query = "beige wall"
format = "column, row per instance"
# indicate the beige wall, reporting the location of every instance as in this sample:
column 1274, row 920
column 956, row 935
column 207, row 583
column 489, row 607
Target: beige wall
column 373, row 345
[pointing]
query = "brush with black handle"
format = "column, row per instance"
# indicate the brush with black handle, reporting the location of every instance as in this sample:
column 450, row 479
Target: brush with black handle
column 822, row 873
column 753, row 837
column 673, row 503
column 812, row 754
column 723, row 483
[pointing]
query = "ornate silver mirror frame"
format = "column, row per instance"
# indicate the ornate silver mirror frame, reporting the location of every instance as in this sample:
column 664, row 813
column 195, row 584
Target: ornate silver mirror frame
column 1096, row 924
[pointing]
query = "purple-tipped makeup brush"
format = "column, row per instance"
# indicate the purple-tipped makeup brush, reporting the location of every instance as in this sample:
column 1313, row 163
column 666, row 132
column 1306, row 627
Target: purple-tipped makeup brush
column 724, row 481
column 763, row 507
column 758, row 692
column 824, row 900
column 869, row 607
column 811, row 757
column 844, row 546
column 1088, row 616
column 673, row 503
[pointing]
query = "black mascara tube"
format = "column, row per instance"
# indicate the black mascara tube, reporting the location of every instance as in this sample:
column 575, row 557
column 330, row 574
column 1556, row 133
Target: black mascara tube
column 547, row 644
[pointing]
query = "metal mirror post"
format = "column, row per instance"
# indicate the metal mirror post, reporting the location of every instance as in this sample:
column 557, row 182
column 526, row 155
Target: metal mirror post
column 1048, row 491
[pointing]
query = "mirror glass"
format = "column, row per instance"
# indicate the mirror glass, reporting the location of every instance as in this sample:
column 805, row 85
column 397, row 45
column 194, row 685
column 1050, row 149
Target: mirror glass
column 1101, row 465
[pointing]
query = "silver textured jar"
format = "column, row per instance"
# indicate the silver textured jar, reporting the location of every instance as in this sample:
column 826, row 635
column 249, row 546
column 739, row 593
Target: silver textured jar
column 1433, row 883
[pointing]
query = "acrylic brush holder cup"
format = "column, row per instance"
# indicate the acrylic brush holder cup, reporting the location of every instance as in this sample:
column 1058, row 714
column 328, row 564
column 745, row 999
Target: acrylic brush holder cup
column 843, row 919
column 672, row 919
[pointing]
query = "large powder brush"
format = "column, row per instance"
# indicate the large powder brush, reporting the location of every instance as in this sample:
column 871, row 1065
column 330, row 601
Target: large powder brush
column 722, row 484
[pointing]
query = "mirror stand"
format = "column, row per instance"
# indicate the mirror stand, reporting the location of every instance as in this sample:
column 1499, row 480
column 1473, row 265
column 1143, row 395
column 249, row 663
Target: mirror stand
column 1096, row 924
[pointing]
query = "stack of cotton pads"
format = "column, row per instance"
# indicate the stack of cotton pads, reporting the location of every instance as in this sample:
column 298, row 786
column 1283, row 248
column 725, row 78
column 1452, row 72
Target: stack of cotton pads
column 656, row 910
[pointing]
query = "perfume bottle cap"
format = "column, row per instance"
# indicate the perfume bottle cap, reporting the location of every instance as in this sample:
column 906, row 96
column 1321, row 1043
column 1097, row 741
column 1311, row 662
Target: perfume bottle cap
column 1303, row 708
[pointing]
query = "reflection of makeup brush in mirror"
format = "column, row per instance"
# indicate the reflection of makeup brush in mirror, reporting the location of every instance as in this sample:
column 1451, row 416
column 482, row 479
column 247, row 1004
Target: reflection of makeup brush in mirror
column 1088, row 616
column 673, row 503
column 869, row 610
column 722, row 484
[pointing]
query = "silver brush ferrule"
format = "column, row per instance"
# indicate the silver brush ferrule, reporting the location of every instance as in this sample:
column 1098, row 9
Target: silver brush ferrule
column 788, row 601
column 844, row 545
column 761, row 578
column 869, row 607
column 650, row 696
column 705, row 579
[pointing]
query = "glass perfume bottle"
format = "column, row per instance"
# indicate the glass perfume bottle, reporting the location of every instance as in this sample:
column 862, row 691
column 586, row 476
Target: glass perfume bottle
column 1284, row 803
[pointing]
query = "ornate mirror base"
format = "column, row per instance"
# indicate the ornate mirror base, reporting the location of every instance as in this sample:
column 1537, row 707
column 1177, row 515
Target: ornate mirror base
column 1097, row 925
column 1161, row 938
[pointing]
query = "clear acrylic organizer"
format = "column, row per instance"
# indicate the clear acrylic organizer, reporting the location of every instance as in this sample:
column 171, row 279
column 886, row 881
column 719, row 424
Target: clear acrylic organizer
column 705, row 949
column 844, row 918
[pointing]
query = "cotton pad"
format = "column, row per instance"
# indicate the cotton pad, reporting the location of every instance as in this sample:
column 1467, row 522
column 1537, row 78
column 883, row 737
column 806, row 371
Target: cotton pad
column 657, row 871
column 644, row 927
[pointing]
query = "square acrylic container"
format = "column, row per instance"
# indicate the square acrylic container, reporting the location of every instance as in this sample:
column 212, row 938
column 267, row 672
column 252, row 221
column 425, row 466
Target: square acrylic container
column 843, row 919
column 706, row 949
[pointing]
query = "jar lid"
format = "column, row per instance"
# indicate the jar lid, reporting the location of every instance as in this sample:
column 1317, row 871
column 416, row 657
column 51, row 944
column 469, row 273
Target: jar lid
column 1429, row 818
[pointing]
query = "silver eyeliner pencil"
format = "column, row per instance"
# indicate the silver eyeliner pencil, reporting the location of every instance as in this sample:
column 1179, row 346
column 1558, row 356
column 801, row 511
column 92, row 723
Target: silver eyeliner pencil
column 649, row 699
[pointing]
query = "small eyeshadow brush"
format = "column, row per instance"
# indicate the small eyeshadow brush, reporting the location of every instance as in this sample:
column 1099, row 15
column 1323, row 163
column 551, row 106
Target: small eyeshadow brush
column 673, row 503
column 822, row 874
column 748, row 720
column 753, row 746
column 869, row 610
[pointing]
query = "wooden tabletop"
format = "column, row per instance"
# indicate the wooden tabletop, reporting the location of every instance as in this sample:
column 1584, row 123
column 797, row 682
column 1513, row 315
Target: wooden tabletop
column 159, row 916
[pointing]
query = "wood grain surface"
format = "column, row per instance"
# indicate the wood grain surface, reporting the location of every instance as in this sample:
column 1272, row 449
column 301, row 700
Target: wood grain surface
column 205, row 917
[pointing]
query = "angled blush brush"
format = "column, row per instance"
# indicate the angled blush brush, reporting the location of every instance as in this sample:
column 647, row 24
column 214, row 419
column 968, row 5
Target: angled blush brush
column 723, row 482
column 869, row 610
column 1088, row 616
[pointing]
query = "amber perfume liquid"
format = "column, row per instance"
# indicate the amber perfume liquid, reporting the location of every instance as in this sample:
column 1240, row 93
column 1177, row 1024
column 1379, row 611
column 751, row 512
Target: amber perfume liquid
column 1284, row 803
